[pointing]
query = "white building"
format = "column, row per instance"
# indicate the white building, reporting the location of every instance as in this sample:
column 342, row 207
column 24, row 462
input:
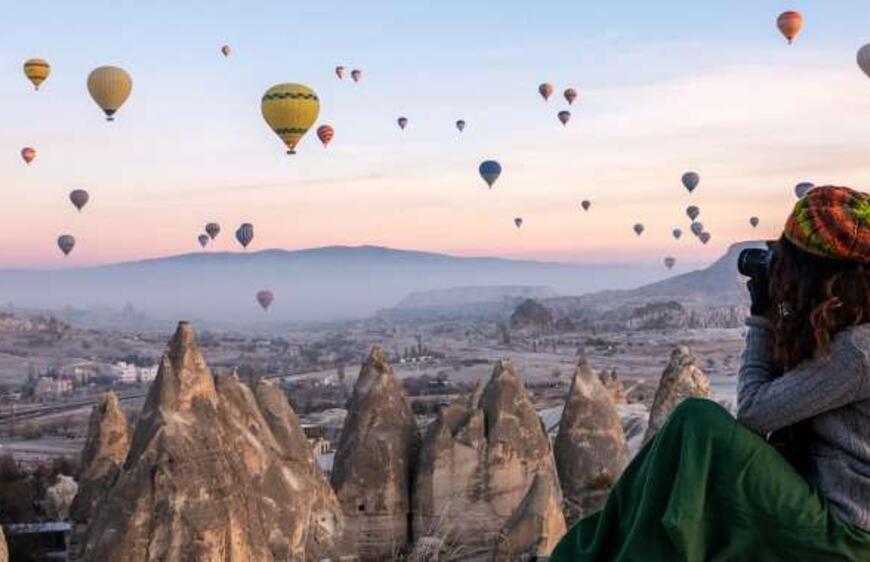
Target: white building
column 128, row 373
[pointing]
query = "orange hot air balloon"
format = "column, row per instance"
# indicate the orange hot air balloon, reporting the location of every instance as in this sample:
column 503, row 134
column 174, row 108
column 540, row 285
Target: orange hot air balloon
column 28, row 153
column 790, row 24
column 225, row 50
column 325, row 134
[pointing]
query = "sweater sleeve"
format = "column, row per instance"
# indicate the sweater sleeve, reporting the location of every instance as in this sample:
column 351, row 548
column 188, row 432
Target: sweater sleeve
column 767, row 402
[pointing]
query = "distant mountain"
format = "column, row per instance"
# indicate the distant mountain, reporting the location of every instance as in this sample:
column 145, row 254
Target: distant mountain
column 458, row 296
column 319, row 284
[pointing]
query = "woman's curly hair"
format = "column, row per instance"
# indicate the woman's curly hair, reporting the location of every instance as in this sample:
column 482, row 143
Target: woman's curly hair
column 814, row 298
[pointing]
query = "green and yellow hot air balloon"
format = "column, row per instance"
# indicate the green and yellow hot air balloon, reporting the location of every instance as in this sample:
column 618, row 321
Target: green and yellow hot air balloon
column 110, row 87
column 36, row 70
column 290, row 110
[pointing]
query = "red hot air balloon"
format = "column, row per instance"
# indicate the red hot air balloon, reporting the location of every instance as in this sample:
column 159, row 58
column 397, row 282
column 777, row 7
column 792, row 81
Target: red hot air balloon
column 79, row 198
column 570, row 95
column 790, row 24
column 586, row 203
column 564, row 117
column 203, row 239
column 339, row 71
column 66, row 243
column 356, row 74
column 325, row 134
column 546, row 90
column 265, row 298
column 225, row 50
column 28, row 153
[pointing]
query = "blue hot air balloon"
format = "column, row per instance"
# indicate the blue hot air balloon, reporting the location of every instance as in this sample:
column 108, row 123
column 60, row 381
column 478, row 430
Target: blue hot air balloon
column 490, row 170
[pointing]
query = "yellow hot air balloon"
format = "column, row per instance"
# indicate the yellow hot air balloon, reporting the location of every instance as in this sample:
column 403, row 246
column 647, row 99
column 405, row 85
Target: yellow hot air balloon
column 290, row 110
column 36, row 70
column 109, row 86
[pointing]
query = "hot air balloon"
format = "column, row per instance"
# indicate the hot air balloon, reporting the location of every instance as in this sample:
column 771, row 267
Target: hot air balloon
column 638, row 229
column 586, row 203
column 691, row 180
column 244, row 234
column 225, row 50
column 697, row 228
column 290, row 110
column 403, row 122
column 203, row 239
column 705, row 237
column 36, row 70
column 212, row 229
column 325, row 134
column 864, row 59
column 356, row 75
column 339, row 71
column 66, row 243
column 570, row 95
column 677, row 233
column 753, row 221
column 490, row 170
column 789, row 24
column 460, row 125
column 564, row 117
column 28, row 153
column 518, row 222
column 546, row 90
column 110, row 87
column 692, row 212
column 801, row 189
column 670, row 262
column 265, row 298
column 79, row 198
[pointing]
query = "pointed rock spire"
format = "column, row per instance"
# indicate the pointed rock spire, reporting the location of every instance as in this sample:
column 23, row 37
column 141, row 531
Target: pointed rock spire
column 536, row 526
column 681, row 379
column 590, row 446
column 374, row 462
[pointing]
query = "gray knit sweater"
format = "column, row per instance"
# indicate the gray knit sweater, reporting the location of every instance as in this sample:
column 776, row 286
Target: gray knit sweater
column 831, row 395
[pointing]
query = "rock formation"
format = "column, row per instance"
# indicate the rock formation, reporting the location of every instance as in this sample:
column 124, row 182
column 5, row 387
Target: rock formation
column 106, row 446
column 614, row 386
column 536, row 526
column 590, row 447
column 4, row 550
column 59, row 497
column 681, row 379
column 478, row 462
column 216, row 472
column 374, row 463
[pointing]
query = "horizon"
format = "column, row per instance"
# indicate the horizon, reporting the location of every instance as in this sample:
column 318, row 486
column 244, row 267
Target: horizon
column 662, row 90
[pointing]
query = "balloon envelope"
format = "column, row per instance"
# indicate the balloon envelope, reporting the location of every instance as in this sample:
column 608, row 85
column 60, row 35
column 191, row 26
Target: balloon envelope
column 690, row 181
column 802, row 188
column 225, row 50
column 677, row 233
column 546, row 90
column 403, row 122
column 570, row 95
column 460, row 125
column 705, row 237
column 518, row 222
column 586, row 203
column 290, row 110
column 339, row 71
column 670, row 262
column 790, row 24
column 753, row 221
column 490, row 170
column 109, row 87
column 864, row 59
column 325, row 134
column 638, row 229
column 697, row 228
column 79, row 198
column 36, row 70
column 265, row 298
column 356, row 75
column 28, row 153
column 244, row 234
column 203, row 239
column 66, row 243
column 212, row 229
column 692, row 212
column 564, row 117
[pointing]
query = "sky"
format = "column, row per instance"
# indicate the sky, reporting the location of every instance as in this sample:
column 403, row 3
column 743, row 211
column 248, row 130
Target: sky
column 665, row 87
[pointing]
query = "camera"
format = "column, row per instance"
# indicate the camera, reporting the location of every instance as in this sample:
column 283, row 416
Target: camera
column 755, row 262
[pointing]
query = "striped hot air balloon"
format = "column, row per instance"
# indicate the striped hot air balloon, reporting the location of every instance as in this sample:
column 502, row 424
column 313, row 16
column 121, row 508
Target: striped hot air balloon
column 212, row 229
column 36, row 70
column 290, row 110
column 245, row 234
column 790, row 24
column 28, row 153
column 325, row 134
column 203, row 239
column 109, row 87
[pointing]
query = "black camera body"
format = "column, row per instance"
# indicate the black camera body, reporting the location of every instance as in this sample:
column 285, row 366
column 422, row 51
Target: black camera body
column 755, row 263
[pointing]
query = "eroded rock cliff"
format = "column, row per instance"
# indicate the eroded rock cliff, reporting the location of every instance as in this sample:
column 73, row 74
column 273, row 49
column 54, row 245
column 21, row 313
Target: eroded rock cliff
column 681, row 379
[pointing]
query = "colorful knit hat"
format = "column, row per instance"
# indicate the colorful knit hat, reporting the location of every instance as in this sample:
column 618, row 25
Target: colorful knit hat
column 832, row 222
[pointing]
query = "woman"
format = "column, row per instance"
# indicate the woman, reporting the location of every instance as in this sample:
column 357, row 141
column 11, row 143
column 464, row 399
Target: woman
column 709, row 488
